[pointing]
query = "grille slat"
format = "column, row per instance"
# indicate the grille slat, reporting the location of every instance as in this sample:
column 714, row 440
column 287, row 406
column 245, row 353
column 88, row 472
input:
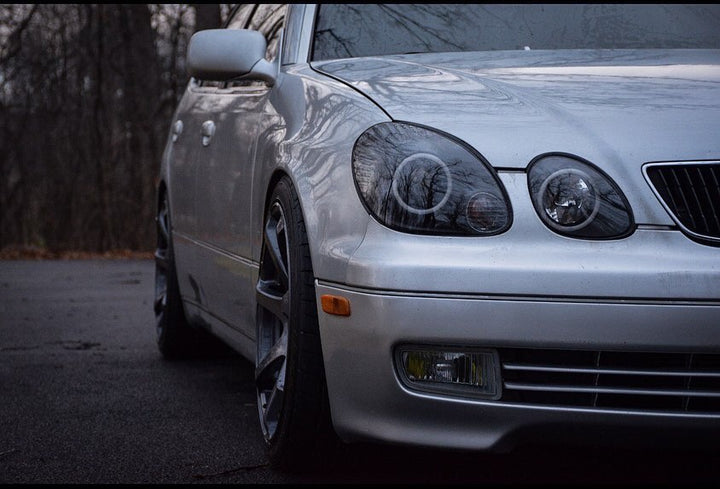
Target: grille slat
column 667, row 382
column 683, row 191
column 712, row 191
column 712, row 216
column 696, row 206
column 608, row 371
column 691, row 193
column 639, row 391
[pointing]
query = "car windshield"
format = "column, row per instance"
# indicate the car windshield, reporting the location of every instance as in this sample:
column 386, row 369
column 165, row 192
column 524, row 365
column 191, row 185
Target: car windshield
column 353, row 30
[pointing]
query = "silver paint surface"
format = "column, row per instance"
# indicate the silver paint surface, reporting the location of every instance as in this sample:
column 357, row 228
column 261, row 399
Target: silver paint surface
column 655, row 290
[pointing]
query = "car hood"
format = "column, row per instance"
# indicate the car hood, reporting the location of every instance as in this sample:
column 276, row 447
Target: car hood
column 616, row 108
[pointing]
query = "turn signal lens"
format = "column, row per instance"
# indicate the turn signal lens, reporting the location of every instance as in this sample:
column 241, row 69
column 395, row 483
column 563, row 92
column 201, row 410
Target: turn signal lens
column 486, row 212
column 336, row 305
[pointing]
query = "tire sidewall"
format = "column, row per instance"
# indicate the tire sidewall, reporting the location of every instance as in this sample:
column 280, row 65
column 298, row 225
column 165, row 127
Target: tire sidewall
column 299, row 411
column 173, row 331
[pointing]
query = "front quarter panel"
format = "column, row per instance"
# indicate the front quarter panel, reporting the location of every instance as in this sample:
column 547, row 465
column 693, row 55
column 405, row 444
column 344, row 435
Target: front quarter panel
column 311, row 129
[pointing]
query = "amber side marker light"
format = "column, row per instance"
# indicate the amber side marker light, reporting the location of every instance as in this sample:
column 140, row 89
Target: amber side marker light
column 333, row 304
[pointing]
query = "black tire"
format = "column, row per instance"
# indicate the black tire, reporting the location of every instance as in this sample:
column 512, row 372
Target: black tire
column 174, row 334
column 290, row 376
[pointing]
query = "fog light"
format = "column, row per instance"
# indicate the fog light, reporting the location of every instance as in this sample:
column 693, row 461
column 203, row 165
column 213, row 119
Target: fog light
column 471, row 373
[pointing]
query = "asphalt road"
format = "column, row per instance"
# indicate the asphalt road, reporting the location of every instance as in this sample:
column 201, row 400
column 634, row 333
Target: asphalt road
column 86, row 398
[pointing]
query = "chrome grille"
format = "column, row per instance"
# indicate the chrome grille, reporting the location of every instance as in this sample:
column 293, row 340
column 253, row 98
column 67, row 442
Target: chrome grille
column 691, row 193
column 669, row 382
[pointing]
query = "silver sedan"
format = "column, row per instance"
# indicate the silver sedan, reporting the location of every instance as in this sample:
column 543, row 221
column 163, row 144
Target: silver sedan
column 462, row 226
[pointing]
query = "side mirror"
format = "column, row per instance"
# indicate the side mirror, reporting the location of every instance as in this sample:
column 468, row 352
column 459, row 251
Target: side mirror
column 226, row 54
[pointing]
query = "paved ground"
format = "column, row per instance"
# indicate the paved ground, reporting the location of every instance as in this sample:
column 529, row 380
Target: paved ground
column 86, row 398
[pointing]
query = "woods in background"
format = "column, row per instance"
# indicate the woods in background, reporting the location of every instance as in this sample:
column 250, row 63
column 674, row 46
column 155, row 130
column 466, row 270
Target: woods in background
column 87, row 93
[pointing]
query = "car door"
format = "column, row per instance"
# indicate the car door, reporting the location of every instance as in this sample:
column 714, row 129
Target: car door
column 223, row 189
column 185, row 162
column 232, row 118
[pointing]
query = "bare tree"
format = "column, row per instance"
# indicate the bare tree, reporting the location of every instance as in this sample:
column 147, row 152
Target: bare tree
column 86, row 95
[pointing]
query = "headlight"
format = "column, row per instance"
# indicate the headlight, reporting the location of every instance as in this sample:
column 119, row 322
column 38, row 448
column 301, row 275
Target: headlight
column 416, row 180
column 576, row 199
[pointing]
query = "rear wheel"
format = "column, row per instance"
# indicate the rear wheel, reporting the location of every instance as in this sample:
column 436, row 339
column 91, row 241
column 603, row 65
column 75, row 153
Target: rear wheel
column 174, row 335
column 290, row 378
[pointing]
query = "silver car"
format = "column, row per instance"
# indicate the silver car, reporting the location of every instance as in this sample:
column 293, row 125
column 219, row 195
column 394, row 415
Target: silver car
column 460, row 226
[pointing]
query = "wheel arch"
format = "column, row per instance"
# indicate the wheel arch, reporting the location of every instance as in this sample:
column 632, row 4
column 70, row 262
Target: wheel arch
column 310, row 231
column 276, row 176
column 162, row 190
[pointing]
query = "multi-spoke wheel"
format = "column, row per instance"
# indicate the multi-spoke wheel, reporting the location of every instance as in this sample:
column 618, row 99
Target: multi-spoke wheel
column 273, row 297
column 173, row 332
column 289, row 374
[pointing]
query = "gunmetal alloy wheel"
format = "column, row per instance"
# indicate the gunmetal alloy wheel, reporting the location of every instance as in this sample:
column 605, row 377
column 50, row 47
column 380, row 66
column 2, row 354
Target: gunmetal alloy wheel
column 289, row 374
column 273, row 297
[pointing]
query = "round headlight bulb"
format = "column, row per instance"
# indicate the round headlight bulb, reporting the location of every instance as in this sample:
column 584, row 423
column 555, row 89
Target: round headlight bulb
column 568, row 200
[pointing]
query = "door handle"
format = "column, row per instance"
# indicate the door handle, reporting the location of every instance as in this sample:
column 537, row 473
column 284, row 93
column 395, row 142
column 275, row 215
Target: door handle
column 177, row 130
column 208, row 131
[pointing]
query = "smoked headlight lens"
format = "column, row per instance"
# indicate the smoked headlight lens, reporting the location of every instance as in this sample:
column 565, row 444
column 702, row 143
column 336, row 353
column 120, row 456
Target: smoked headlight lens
column 576, row 199
column 416, row 180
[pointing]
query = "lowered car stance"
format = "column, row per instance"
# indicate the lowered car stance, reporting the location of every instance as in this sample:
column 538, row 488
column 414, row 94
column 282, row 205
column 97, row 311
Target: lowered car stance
column 459, row 226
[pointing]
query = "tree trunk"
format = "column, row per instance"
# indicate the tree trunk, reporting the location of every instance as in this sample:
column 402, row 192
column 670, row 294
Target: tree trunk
column 207, row 16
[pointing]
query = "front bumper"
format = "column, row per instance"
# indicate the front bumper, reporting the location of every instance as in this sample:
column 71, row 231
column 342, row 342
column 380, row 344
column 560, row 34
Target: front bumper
column 369, row 402
column 527, row 290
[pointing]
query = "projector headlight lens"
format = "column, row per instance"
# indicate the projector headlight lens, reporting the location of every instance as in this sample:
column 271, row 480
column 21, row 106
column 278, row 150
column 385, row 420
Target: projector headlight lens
column 574, row 198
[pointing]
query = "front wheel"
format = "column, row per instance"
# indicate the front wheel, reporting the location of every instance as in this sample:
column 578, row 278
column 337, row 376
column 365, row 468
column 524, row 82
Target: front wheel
column 290, row 377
